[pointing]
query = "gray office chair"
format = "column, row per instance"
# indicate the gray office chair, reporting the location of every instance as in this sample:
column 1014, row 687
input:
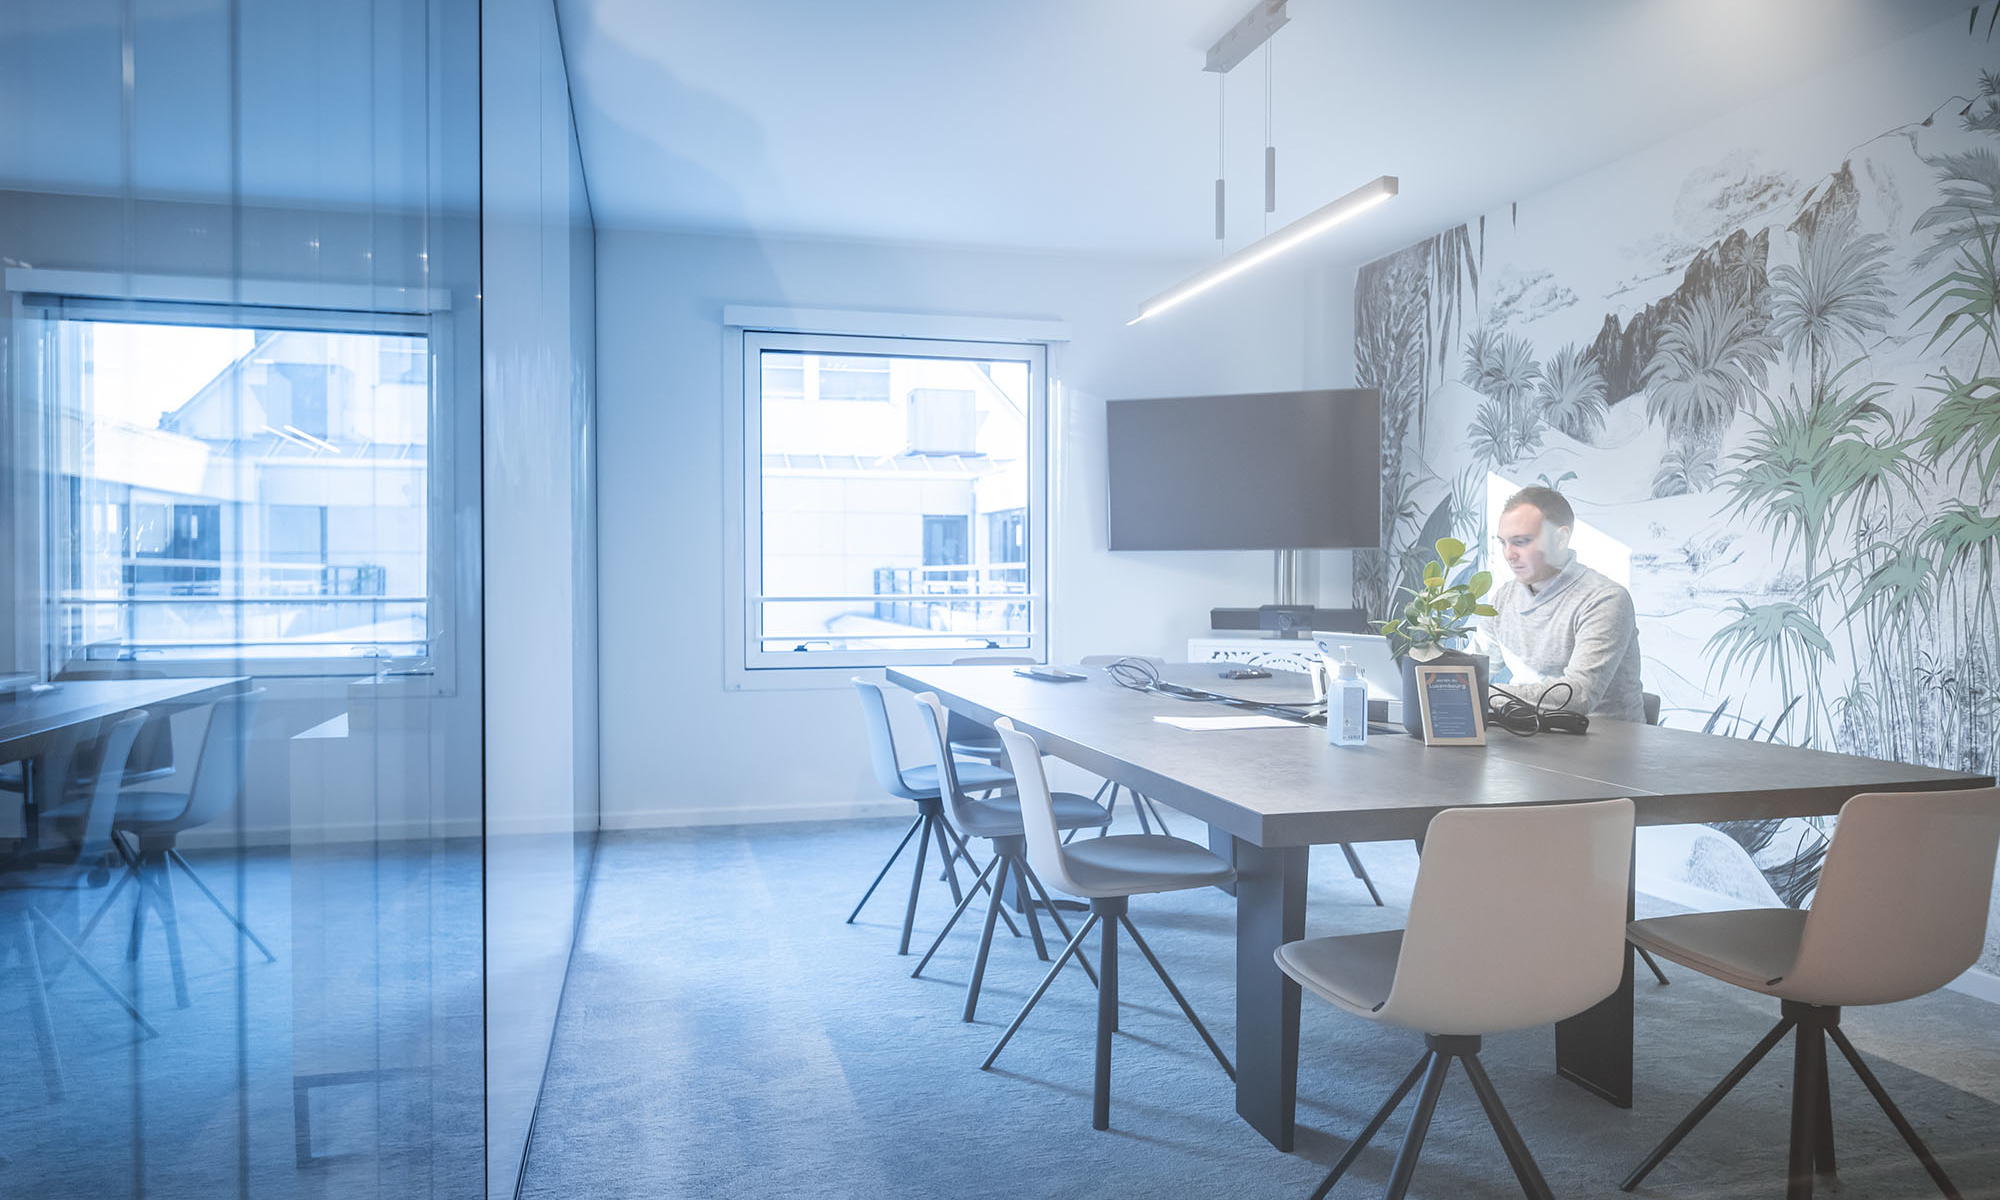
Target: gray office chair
column 970, row 739
column 918, row 784
column 1108, row 872
column 1000, row 823
column 1517, row 919
column 1900, row 912
column 150, row 822
column 67, row 868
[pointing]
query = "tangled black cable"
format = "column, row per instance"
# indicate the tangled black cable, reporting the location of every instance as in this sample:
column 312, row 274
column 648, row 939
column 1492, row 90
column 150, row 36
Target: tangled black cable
column 1142, row 676
column 1522, row 719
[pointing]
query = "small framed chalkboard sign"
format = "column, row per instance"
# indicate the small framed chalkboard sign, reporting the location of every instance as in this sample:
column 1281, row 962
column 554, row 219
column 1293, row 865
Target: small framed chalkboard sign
column 1448, row 698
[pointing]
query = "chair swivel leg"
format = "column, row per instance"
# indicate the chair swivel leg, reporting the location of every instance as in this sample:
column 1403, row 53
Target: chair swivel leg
column 1657, row 973
column 950, row 858
column 174, row 857
column 922, row 820
column 1373, row 1127
column 1894, row 1114
column 110, row 989
column 1361, row 873
column 156, row 890
column 1069, row 951
column 1107, row 1010
column 1420, row 1126
column 1511, row 1142
column 1187, row 1010
column 986, row 939
column 1709, row 1102
column 38, row 1011
column 916, row 885
column 980, row 882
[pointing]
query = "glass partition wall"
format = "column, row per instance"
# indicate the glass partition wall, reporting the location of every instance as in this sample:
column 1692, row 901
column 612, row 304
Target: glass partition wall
column 297, row 693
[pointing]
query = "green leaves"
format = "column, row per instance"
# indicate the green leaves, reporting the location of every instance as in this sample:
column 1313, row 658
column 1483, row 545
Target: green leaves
column 1440, row 611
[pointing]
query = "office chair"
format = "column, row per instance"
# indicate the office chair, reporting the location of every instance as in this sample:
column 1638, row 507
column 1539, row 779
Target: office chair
column 1517, row 919
column 150, row 822
column 970, row 739
column 61, row 869
column 999, row 821
column 1108, row 872
column 918, row 784
column 1900, row 912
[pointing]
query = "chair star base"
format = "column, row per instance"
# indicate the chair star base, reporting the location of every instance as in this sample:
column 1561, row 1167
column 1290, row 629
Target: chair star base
column 1811, row 1147
column 1108, row 912
column 1439, row 1052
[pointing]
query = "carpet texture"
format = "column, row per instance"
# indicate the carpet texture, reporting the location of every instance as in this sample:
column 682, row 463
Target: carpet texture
column 724, row 1034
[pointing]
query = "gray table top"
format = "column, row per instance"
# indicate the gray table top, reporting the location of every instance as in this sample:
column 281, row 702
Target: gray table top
column 1288, row 787
column 27, row 719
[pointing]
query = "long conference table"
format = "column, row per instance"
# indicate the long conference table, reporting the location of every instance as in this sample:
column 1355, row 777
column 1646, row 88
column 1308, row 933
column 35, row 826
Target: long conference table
column 1269, row 795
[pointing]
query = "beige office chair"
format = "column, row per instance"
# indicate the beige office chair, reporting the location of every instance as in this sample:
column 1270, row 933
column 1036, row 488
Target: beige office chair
column 1107, row 871
column 1517, row 919
column 1900, row 911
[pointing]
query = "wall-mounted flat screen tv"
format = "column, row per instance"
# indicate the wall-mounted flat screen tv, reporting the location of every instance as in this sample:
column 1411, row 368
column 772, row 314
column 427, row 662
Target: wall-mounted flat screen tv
column 1263, row 471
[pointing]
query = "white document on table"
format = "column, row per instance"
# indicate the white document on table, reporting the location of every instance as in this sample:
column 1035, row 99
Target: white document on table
column 1211, row 723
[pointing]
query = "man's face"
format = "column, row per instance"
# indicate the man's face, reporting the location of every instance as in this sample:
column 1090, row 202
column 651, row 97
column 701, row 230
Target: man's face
column 1528, row 543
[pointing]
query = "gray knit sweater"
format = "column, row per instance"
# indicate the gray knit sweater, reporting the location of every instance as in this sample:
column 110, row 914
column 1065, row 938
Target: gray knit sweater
column 1577, row 628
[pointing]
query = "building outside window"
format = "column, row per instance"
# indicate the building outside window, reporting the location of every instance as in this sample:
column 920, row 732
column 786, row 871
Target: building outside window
column 875, row 471
column 225, row 491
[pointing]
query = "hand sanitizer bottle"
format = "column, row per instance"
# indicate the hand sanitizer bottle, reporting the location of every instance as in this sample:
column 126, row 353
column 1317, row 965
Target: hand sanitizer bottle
column 1347, row 705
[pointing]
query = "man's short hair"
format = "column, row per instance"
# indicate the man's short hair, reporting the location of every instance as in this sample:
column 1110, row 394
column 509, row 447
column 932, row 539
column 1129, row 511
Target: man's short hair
column 1554, row 508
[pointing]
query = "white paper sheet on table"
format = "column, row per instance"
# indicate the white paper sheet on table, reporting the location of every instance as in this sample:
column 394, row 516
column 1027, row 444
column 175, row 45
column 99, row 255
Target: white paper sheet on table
column 1208, row 723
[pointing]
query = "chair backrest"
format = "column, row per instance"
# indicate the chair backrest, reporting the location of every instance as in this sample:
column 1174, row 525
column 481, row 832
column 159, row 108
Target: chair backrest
column 1903, row 897
column 1649, row 702
column 1038, row 812
column 960, row 728
column 218, row 772
column 1517, row 917
column 881, row 741
column 101, row 798
column 933, row 714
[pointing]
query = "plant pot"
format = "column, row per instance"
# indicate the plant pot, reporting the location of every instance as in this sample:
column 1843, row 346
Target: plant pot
column 1413, row 716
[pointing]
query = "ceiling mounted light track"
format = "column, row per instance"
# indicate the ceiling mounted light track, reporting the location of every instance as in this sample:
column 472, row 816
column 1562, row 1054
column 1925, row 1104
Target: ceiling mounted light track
column 1265, row 18
column 1354, row 203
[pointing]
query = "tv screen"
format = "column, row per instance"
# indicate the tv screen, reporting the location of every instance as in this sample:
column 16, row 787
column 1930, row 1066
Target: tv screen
column 1264, row 471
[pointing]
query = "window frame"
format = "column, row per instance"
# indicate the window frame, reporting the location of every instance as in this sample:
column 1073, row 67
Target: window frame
column 748, row 332
column 45, row 299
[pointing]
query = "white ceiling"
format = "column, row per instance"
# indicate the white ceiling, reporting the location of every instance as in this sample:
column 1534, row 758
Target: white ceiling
column 1090, row 125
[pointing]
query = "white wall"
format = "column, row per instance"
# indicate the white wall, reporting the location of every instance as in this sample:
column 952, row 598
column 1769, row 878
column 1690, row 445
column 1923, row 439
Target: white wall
column 680, row 748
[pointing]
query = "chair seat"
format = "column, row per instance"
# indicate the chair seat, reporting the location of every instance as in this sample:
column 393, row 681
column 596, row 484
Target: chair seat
column 1753, row 948
column 1001, row 816
column 1133, row 864
column 973, row 775
column 143, row 811
column 1354, row 971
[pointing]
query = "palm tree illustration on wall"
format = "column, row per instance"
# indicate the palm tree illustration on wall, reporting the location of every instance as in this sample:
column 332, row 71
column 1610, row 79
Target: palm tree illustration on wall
column 1712, row 360
column 1572, row 393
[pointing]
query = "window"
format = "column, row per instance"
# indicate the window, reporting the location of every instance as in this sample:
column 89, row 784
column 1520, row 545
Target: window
column 880, row 477
column 224, row 488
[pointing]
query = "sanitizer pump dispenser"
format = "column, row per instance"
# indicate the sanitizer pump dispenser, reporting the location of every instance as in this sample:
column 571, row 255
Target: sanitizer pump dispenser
column 1347, row 705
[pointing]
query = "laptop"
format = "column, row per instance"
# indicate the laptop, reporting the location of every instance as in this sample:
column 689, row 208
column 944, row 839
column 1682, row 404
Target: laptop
column 1379, row 669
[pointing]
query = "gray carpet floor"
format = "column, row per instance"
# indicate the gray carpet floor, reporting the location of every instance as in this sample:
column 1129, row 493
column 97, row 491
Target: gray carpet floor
column 725, row 1034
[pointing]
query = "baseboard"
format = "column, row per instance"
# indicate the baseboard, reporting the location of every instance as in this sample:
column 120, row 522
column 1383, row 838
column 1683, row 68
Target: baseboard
column 1977, row 984
column 761, row 814
column 223, row 836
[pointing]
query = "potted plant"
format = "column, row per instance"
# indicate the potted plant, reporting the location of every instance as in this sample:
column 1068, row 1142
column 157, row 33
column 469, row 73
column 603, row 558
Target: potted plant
column 1437, row 618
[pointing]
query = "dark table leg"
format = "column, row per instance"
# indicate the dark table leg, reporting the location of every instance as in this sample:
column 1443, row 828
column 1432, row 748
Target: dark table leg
column 1594, row 1047
column 31, row 809
column 1270, row 911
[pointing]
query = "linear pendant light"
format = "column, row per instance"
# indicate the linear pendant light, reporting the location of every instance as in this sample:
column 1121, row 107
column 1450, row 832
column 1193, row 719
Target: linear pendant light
column 1358, row 201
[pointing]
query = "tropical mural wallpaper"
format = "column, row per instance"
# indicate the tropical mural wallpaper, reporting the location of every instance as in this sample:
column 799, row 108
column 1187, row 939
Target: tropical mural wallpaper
column 1772, row 379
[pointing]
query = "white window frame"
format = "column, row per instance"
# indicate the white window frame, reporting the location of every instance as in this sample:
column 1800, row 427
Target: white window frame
column 42, row 298
column 750, row 331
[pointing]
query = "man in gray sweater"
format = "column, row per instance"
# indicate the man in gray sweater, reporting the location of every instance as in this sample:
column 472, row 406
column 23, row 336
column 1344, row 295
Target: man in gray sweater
column 1559, row 621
